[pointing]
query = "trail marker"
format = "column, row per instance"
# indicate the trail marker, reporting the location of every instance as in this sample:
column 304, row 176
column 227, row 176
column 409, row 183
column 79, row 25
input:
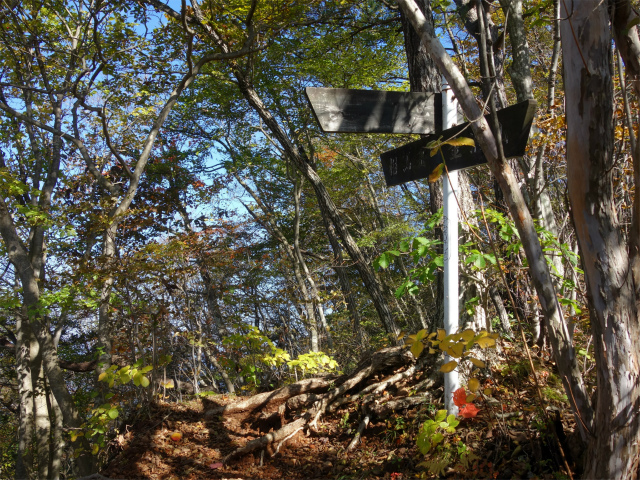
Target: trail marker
column 341, row 110
column 413, row 160
column 367, row 111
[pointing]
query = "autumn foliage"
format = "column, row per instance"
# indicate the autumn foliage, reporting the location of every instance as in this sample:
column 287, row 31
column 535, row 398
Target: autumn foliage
column 467, row 410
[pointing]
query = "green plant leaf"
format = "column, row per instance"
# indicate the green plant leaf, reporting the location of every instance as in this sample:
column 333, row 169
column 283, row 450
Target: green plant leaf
column 416, row 348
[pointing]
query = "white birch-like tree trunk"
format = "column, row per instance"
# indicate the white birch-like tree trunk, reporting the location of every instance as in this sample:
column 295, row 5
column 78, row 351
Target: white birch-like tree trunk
column 614, row 441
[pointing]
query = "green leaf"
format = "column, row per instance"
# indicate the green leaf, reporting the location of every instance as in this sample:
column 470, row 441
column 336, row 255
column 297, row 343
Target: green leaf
column 113, row 413
column 144, row 381
column 452, row 421
column 441, row 415
column 417, row 348
column 437, row 438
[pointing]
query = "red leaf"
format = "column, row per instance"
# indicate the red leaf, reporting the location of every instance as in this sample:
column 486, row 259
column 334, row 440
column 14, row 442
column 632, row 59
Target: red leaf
column 469, row 410
column 460, row 397
column 213, row 466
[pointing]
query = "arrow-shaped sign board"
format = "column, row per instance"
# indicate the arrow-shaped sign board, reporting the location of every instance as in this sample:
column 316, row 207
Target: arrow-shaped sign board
column 413, row 161
column 375, row 111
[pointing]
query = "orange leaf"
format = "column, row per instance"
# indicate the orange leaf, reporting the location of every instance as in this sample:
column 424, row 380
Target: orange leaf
column 176, row 436
column 459, row 397
column 469, row 410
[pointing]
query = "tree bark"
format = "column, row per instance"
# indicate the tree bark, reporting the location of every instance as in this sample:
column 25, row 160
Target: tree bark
column 24, row 339
column 614, row 446
column 105, row 333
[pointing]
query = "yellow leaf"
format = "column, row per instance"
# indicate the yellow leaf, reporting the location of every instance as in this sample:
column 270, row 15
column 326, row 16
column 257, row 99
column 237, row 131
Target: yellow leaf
column 477, row 363
column 101, row 376
column 437, row 172
column 470, row 398
column 467, row 335
column 456, row 350
column 441, row 334
column 95, row 449
column 433, row 152
column 431, row 350
column 486, row 342
column 401, row 335
column 487, row 391
column 417, row 348
column 474, row 384
column 461, row 142
column 449, row 366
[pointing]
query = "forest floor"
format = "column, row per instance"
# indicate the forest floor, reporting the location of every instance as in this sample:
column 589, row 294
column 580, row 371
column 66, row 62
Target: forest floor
column 507, row 439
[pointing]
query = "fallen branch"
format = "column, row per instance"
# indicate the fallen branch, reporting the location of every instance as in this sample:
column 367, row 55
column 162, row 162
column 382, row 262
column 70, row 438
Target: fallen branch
column 280, row 395
column 278, row 436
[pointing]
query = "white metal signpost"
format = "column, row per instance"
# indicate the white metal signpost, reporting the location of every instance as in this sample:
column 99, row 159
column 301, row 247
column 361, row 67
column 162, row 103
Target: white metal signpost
column 451, row 280
column 365, row 111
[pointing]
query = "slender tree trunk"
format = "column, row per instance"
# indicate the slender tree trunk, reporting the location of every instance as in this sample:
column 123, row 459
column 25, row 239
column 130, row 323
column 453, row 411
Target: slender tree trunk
column 614, row 446
column 315, row 295
column 470, row 289
column 291, row 254
column 105, row 328
column 344, row 281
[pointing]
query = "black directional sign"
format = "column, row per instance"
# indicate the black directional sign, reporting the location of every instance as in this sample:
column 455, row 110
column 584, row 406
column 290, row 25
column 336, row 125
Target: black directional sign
column 413, row 160
column 375, row 111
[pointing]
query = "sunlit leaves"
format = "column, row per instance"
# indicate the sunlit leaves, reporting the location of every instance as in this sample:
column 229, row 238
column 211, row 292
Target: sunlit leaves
column 449, row 366
column 435, row 175
column 462, row 401
column 432, row 432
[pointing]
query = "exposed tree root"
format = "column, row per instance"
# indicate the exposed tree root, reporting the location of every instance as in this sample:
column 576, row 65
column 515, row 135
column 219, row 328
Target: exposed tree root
column 263, row 400
column 356, row 439
column 315, row 392
column 385, row 409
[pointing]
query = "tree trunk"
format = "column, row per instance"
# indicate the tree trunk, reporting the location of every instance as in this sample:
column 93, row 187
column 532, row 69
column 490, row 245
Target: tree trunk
column 614, row 446
column 105, row 329
column 24, row 338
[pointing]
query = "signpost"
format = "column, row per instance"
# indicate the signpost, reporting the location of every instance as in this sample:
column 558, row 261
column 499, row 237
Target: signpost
column 413, row 161
column 341, row 110
column 450, row 232
column 365, row 111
